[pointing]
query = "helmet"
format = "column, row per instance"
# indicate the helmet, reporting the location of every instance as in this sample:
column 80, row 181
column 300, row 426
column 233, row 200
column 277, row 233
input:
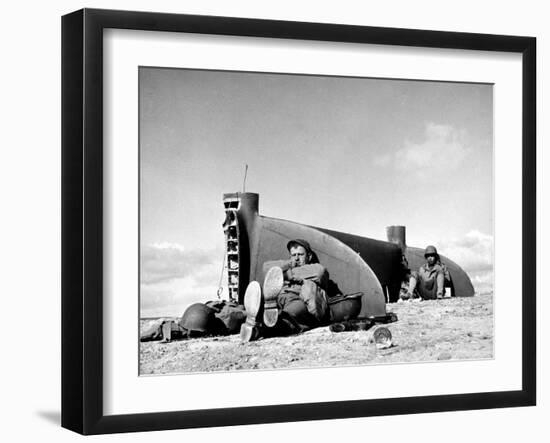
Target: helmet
column 345, row 307
column 198, row 317
column 299, row 242
column 430, row 250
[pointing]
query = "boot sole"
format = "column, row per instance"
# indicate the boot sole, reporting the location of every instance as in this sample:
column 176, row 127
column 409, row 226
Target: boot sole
column 273, row 284
column 252, row 297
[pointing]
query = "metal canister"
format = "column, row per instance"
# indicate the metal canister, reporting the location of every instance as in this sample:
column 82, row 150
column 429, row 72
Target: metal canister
column 382, row 337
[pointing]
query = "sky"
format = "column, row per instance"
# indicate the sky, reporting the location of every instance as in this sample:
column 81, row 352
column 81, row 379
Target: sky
column 349, row 154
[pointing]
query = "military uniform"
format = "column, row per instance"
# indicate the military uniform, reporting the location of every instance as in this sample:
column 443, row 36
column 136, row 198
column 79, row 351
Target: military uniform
column 429, row 281
column 303, row 297
column 293, row 297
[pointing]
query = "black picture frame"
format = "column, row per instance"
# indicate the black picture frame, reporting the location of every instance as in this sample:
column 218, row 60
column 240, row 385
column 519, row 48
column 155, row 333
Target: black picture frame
column 82, row 218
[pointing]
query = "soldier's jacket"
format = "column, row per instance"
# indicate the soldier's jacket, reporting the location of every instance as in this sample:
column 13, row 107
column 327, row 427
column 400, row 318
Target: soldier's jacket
column 230, row 313
column 427, row 274
column 294, row 277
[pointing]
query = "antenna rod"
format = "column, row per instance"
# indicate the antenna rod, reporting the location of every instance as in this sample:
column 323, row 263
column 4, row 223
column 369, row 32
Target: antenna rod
column 244, row 181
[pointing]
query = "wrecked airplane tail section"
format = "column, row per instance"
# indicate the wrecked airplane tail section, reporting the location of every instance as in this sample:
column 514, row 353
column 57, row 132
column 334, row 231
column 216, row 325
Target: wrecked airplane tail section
column 355, row 264
column 252, row 240
column 348, row 272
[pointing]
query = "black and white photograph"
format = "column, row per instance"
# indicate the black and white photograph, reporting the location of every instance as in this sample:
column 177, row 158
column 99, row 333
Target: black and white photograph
column 294, row 221
column 275, row 221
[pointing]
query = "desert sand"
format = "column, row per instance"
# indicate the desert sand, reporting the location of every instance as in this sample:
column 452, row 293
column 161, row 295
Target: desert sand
column 437, row 330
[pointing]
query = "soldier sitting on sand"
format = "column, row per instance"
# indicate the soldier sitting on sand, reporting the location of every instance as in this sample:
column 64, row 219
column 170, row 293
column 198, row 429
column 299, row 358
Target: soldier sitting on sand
column 294, row 295
column 429, row 282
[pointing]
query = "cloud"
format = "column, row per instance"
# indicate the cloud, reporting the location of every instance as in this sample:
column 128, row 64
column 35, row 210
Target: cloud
column 441, row 150
column 382, row 160
column 171, row 298
column 482, row 281
column 168, row 261
column 474, row 254
column 173, row 277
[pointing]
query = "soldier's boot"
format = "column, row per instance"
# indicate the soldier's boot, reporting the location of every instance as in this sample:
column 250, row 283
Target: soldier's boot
column 273, row 284
column 252, row 303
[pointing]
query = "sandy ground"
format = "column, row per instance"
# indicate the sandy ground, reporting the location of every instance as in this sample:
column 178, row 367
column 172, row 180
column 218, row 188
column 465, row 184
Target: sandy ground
column 449, row 329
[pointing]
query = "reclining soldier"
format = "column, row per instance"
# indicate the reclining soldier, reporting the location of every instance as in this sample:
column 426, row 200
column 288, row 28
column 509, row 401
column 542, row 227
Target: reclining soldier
column 294, row 295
